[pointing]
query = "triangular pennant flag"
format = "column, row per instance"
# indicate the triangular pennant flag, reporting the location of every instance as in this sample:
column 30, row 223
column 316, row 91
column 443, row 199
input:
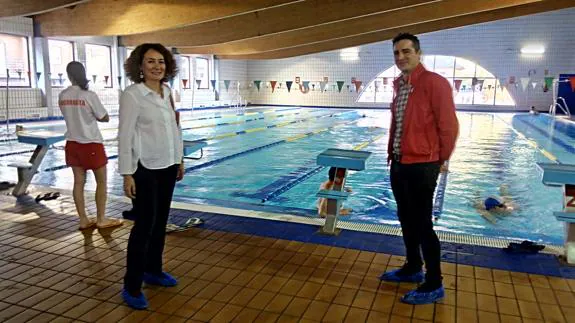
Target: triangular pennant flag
column 288, row 85
column 19, row 74
column 306, row 85
column 548, row 84
column 273, row 83
column 534, row 84
column 572, row 81
column 313, row 86
column 227, row 84
column 524, row 83
column 457, row 84
column 322, row 86
column 198, row 82
column 119, row 81
column 94, row 78
column 38, row 74
column 489, row 87
column 474, row 81
column 348, row 87
column 502, row 83
column 480, row 83
column 213, row 84
column 257, row 83
column 185, row 83
column 512, row 80
column 340, row 85
column 357, row 86
column 106, row 79
column 171, row 82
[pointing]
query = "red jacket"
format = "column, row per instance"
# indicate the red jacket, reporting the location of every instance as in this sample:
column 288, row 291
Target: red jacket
column 430, row 126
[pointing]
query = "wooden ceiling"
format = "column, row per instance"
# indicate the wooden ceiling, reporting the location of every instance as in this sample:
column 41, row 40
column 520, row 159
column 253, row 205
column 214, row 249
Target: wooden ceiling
column 265, row 29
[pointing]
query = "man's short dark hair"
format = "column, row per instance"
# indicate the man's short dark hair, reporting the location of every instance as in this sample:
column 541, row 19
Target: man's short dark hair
column 408, row 36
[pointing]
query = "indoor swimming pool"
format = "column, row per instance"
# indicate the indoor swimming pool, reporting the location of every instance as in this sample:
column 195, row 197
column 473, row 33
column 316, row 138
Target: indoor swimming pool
column 264, row 159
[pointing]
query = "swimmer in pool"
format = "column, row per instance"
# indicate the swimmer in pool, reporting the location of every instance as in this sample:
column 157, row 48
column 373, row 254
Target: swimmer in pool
column 328, row 185
column 491, row 207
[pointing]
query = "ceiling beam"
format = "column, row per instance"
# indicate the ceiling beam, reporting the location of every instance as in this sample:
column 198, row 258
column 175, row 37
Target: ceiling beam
column 421, row 28
column 377, row 22
column 12, row 8
column 115, row 17
column 269, row 21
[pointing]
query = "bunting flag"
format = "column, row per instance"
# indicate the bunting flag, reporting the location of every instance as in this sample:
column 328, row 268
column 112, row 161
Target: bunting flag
column 548, row 84
column 463, row 87
column 323, row 85
column 119, row 81
column 480, row 83
column 512, row 80
column 257, row 83
column 306, row 85
column 213, row 84
column 60, row 75
column 288, row 85
column 572, row 81
column 171, row 81
column 199, row 82
column 313, row 86
column 19, row 74
column 502, row 83
column 280, row 85
column 534, row 84
column 227, row 84
column 185, row 83
column 457, row 84
column 357, row 86
column 38, row 74
column 524, row 83
column 474, row 81
column 273, row 83
column 340, row 85
column 106, row 78
column 348, row 87
column 93, row 78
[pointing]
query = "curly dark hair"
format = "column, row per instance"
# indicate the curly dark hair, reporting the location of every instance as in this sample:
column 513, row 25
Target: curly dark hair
column 134, row 62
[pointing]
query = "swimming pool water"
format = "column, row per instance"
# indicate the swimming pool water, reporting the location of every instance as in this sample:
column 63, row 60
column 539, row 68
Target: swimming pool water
column 491, row 151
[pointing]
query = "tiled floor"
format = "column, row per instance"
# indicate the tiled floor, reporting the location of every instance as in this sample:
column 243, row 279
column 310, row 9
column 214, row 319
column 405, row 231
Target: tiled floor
column 50, row 272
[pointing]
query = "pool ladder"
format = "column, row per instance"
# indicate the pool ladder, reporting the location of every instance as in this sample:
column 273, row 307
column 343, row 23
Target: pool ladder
column 557, row 101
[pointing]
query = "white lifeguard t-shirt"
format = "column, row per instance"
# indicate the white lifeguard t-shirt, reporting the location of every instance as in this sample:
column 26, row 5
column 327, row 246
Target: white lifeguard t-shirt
column 81, row 109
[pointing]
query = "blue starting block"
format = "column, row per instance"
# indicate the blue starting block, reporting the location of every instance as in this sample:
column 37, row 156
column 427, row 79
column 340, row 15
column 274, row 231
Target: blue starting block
column 43, row 140
column 191, row 146
column 342, row 159
column 563, row 175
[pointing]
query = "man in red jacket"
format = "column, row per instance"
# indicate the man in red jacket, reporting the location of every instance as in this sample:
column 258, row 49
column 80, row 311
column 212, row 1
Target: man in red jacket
column 422, row 137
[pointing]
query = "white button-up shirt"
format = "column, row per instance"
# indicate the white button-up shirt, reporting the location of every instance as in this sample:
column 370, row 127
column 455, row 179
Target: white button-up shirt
column 148, row 131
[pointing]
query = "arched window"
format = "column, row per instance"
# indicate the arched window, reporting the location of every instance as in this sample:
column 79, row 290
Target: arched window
column 471, row 83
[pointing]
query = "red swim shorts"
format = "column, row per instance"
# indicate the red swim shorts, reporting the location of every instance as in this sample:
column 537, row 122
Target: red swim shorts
column 88, row 156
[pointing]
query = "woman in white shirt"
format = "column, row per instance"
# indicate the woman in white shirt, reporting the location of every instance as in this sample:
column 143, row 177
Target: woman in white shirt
column 82, row 110
column 150, row 157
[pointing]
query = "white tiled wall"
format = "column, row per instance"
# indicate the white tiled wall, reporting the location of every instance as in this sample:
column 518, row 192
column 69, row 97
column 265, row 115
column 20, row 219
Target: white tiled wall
column 494, row 45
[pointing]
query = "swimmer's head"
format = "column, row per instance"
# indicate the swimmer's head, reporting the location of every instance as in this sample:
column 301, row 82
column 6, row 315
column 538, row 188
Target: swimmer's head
column 335, row 173
column 492, row 203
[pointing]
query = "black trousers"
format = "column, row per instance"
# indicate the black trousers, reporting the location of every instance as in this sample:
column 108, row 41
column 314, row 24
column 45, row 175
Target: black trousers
column 154, row 190
column 413, row 186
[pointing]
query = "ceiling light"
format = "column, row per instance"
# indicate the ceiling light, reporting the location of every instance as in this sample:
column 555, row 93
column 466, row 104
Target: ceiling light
column 533, row 50
column 349, row 54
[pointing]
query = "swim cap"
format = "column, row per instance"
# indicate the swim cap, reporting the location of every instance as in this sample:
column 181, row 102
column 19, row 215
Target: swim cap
column 491, row 203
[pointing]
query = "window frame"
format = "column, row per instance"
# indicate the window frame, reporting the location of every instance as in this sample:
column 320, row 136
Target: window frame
column 50, row 67
column 207, row 87
column 28, row 64
column 109, row 57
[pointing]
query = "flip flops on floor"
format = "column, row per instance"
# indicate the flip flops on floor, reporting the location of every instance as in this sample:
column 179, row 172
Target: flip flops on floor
column 6, row 185
column 47, row 197
column 525, row 247
column 191, row 222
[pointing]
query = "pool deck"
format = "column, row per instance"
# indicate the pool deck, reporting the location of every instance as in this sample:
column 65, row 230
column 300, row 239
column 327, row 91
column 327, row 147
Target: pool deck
column 254, row 270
